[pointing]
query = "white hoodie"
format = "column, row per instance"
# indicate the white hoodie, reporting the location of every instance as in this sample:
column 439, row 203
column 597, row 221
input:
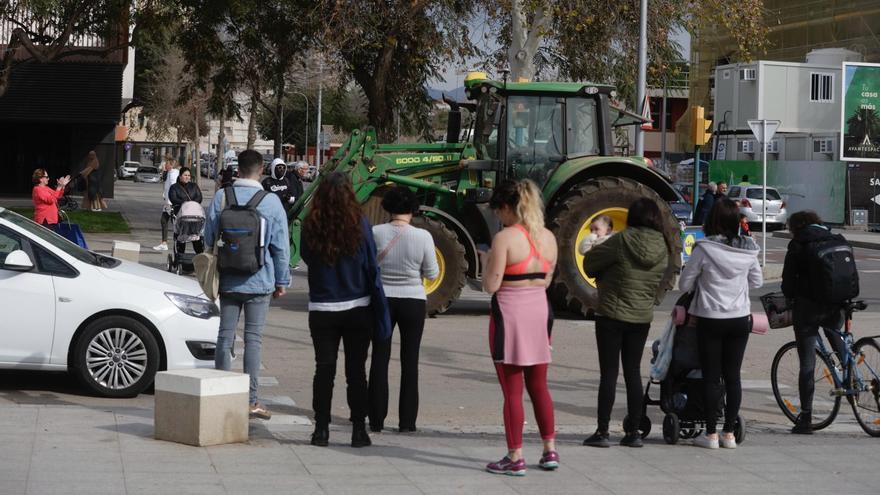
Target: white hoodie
column 722, row 274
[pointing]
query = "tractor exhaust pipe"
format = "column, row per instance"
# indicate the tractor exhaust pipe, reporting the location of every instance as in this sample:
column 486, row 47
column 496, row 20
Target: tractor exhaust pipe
column 453, row 125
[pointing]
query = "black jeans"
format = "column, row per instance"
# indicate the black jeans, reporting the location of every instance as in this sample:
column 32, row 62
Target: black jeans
column 808, row 317
column 166, row 217
column 722, row 344
column 619, row 341
column 409, row 315
column 354, row 328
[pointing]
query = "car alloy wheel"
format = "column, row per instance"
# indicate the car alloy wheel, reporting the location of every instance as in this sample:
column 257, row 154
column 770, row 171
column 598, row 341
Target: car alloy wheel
column 116, row 358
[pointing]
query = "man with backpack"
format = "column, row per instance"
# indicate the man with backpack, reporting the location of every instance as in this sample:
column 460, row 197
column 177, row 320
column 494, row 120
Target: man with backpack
column 819, row 275
column 248, row 229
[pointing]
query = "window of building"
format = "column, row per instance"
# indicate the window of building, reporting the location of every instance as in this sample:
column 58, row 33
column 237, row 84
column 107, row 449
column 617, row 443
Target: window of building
column 773, row 146
column 747, row 146
column 823, row 145
column 821, row 87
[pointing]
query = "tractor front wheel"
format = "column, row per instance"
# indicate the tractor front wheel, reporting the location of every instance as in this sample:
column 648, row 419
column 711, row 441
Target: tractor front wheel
column 572, row 289
column 446, row 288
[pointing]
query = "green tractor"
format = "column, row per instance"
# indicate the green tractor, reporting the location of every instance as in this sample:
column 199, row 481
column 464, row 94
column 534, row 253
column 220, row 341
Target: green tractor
column 558, row 134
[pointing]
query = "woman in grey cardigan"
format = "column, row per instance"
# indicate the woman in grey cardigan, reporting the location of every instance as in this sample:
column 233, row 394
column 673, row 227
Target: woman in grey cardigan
column 406, row 256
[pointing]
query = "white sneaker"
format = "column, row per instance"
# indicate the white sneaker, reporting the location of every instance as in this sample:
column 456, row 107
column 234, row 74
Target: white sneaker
column 728, row 441
column 706, row 442
column 161, row 247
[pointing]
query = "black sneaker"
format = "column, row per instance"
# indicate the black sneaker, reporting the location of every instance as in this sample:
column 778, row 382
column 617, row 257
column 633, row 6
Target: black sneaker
column 632, row 439
column 803, row 424
column 598, row 439
column 359, row 436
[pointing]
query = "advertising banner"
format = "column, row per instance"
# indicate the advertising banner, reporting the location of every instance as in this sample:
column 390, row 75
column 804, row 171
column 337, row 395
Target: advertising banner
column 860, row 112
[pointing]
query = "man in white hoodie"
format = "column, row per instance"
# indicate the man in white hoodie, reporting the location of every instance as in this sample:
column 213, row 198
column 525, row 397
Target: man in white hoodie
column 720, row 272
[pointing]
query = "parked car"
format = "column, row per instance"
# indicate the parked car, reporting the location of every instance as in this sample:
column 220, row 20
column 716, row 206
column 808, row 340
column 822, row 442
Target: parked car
column 749, row 199
column 128, row 169
column 682, row 209
column 147, row 174
column 685, row 190
column 111, row 323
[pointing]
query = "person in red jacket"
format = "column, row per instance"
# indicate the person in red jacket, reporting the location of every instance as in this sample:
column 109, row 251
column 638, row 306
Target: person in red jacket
column 45, row 198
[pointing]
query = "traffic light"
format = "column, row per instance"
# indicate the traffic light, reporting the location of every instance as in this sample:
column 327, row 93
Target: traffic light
column 701, row 129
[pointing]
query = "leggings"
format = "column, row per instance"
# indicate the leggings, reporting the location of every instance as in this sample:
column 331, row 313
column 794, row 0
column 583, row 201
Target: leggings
column 806, row 333
column 198, row 246
column 511, row 378
column 409, row 315
column 166, row 217
column 722, row 344
column 620, row 341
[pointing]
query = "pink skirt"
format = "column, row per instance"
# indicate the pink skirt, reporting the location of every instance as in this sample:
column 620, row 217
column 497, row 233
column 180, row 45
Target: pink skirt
column 520, row 326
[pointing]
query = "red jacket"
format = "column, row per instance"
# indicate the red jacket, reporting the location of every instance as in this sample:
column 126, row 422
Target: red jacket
column 45, row 204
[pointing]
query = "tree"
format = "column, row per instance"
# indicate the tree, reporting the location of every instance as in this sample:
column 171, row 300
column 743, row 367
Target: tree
column 45, row 31
column 597, row 40
column 392, row 48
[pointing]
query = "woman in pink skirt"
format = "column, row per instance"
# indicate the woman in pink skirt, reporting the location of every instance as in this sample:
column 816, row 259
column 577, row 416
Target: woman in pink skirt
column 517, row 272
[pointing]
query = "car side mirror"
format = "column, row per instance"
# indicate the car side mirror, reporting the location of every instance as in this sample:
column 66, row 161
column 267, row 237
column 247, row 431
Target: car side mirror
column 18, row 261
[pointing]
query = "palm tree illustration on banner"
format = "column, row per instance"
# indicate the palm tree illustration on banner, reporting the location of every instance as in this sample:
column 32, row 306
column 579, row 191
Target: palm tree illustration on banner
column 864, row 123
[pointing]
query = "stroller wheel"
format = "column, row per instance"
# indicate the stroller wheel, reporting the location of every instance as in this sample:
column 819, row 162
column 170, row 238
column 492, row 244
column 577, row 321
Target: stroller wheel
column 739, row 429
column 644, row 425
column 671, row 429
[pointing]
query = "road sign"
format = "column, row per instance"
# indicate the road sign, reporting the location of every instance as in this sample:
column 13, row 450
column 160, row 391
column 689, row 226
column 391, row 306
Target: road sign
column 757, row 127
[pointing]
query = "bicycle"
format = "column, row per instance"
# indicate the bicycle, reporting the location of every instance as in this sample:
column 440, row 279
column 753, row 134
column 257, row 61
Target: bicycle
column 856, row 376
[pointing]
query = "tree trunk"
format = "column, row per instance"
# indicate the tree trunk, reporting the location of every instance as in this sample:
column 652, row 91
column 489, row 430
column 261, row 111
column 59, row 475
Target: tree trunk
column 525, row 40
column 196, row 155
column 279, row 117
column 221, row 139
column 252, row 122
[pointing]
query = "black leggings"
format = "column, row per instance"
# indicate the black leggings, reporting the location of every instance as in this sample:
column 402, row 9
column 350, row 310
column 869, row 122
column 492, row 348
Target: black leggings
column 353, row 328
column 166, row 217
column 409, row 315
column 806, row 334
column 620, row 341
column 198, row 246
column 722, row 344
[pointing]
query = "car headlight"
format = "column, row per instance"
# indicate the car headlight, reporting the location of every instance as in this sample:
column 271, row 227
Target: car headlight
column 198, row 307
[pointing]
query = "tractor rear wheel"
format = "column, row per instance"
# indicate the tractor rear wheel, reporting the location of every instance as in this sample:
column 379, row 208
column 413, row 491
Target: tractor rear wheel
column 446, row 288
column 570, row 221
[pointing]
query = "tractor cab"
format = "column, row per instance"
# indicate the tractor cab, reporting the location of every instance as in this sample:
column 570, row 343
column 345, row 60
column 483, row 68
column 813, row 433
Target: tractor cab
column 527, row 130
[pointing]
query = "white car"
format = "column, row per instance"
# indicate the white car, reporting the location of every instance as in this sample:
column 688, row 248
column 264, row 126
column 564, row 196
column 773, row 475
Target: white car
column 749, row 200
column 112, row 323
column 128, row 169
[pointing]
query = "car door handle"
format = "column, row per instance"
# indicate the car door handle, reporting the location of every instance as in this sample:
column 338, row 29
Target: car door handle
column 64, row 299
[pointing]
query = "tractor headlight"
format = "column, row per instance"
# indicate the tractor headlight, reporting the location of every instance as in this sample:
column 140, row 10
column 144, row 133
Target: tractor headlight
column 198, row 307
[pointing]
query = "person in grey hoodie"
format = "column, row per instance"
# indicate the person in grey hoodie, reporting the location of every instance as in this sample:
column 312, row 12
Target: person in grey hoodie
column 720, row 271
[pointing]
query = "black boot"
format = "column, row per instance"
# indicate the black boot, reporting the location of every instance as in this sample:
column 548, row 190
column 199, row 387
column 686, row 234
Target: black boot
column 803, row 425
column 359, row 436
column 632, row 439
column 598, row 439
column 321, row 436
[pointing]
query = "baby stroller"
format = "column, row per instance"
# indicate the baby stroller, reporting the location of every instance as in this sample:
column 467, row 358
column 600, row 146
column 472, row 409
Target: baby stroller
column 189, row 226
column 681, row 387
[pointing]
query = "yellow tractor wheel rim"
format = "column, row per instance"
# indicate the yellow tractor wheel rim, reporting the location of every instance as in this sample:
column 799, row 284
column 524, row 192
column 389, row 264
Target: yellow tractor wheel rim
column 618, row 216
column 432, row 285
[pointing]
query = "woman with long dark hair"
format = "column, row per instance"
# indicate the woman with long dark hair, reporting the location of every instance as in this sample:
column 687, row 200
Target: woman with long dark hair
column 92, row 174
column 517, row 272
column 628, row 268
column 720, row 271
column 338, row 246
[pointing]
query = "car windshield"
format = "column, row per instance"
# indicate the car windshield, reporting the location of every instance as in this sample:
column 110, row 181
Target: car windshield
column 147, row 170
column 755, row 193
column 54, row 239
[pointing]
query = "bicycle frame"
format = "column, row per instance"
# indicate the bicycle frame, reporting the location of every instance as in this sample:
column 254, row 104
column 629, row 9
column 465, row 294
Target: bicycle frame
column 846, row 364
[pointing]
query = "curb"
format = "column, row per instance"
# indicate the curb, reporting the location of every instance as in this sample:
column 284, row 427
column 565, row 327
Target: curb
column 784, row 234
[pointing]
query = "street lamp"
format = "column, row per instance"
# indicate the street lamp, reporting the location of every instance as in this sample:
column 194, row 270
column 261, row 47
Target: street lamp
column 306, row 141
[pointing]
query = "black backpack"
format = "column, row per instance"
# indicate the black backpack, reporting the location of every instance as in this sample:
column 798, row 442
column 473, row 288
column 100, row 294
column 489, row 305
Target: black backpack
column 240, row 247
column 832, row 270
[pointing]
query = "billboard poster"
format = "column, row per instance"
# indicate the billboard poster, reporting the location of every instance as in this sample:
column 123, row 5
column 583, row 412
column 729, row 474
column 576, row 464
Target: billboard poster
column 860, row 112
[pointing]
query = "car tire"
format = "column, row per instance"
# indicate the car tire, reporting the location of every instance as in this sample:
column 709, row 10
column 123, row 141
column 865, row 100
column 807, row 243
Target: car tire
column 115, row 356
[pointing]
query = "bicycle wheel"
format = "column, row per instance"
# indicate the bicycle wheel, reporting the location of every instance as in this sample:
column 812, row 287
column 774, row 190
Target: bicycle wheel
column 866, row 403
column 784, row 379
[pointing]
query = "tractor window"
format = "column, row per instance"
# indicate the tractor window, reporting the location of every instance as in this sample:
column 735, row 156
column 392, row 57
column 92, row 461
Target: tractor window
column 534, row 137
column 583, row 135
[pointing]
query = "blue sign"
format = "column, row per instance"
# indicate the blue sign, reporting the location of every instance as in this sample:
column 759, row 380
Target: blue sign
column 689, row 237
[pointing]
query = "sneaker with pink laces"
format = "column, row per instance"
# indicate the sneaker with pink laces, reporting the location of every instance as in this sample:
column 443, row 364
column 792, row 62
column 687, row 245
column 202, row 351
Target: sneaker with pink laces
column 549, row 461
column 508, row 467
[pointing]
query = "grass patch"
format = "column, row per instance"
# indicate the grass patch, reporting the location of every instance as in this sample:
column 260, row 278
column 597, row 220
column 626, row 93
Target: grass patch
column 91, row 222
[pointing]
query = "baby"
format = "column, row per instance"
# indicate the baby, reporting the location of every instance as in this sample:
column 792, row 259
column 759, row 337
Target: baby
column 600, row 230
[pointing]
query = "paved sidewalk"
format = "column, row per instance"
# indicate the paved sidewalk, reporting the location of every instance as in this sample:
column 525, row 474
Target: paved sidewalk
column 74, row 449
column 858, row 238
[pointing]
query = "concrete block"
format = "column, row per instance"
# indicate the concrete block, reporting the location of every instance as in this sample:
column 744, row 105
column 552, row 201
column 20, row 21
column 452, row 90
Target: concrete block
column 201, row 407
column 125, row 250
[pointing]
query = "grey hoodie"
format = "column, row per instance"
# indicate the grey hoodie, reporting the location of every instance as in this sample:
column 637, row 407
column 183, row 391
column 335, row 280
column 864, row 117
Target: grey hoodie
column 722, row 273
